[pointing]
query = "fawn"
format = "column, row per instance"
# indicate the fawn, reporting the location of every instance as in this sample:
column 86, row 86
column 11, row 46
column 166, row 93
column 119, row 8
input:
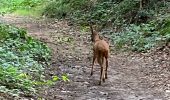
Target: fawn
column 101, row 52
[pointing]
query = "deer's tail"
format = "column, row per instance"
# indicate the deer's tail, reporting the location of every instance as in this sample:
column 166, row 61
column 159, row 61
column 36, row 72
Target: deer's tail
column 100, row 58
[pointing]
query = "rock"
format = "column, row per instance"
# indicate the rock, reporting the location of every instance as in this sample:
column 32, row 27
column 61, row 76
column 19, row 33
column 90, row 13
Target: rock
column 77, row 66
column 103, row 93
column 70, row 57
column 86, row 83
column 167, row 91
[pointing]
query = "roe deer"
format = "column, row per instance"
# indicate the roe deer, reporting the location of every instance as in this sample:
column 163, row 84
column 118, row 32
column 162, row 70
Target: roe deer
column 101, row 52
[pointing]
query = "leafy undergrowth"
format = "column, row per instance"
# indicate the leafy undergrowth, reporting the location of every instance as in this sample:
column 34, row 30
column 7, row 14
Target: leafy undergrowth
column 34, row 12
column 115, row 13
column 143, row 37
column 22, row 62
column 31, row 8
column 141, row 28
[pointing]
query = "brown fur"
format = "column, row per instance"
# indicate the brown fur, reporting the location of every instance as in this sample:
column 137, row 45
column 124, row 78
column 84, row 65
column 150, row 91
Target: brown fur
column 101, row 52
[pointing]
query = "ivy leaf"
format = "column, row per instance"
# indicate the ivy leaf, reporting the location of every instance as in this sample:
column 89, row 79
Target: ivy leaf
column 55, row 78
column 65, row 78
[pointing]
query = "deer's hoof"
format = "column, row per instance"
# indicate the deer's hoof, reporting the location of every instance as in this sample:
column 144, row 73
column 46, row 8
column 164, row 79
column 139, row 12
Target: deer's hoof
column 91, row 73
column 100, row 83
column 103, row 80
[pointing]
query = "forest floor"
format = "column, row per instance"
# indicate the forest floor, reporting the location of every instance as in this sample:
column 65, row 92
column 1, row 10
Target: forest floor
column 131, row 76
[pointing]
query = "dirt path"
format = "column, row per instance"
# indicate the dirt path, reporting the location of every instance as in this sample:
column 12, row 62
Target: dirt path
column 130, row 77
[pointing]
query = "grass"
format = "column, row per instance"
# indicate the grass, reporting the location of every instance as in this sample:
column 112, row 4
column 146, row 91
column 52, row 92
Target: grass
column 33, row 12
column 24, row 12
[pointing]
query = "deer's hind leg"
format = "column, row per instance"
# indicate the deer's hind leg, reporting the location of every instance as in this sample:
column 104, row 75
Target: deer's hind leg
column 94, row 58
column 106, row 68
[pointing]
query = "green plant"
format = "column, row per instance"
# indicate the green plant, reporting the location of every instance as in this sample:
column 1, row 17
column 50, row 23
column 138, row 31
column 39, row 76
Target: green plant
column 57, row 9
column 13, row 81
column 116, row 13
column 8, row 31
column 164, row 26
column 137, row 38
column 64, row 8
column 22, row 61
column 9, row 6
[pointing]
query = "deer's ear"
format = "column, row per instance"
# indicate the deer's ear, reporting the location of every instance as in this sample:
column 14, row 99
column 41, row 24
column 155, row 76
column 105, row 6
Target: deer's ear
column 95, row 27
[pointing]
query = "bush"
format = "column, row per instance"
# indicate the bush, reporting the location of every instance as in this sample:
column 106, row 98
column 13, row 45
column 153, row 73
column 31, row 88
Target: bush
column 22, row 61
column 8, row 31
column 104, row 12
column 138, row 38
column 64, row 8
column 56, row 9
column 8, row 6
column 164, row 26
column 13, row 81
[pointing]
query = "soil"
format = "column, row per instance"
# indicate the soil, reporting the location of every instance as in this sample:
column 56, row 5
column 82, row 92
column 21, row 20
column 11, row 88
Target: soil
column 131, row 76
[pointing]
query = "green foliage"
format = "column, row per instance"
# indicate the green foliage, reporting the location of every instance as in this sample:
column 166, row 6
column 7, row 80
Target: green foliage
column 62, row 8
column 22, row 61
column 8, row 6
column 13, row 81
column 119, row 12
column 140, row 38
column 65, row 78
column 30, row 3
column 99, row 13
column 8, row 31
column 56, row 9
column 53, row 80
column 164, row 26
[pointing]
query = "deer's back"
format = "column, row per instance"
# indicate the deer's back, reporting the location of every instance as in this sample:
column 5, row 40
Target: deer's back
column 101, row 46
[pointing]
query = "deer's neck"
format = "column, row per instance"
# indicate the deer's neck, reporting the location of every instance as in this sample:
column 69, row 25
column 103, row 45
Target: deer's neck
column 96, row 38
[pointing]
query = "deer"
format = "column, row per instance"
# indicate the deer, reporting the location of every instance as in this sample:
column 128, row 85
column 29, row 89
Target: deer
column 101, row 53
